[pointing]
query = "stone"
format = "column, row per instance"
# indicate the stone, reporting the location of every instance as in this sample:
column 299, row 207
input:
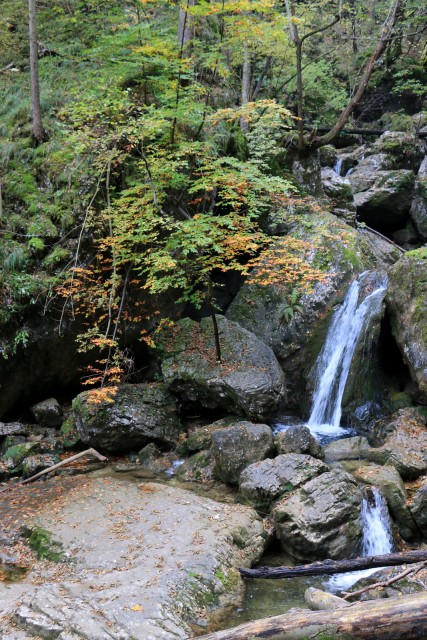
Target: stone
column 47, row 413
column 149, row 561
column 68, row 433
column 407, row 303
column 418, row 210
column 418, row 508
column 306, row 171
column 14, row 429
column 139, row 414
column 298, row 439
column 321, row 519
column 405, row 149
column 10, row 441
column 340, row 253
column 391, row 486
column 337, row 188
column 405, row 445
column 238, row 446
column 15, row 455
column 248, row 381
column 263, row 482
column 33, row 464
column 327, row 156
column 354, row 448
column 198, row 467
column 386, row 202
column 363, row 175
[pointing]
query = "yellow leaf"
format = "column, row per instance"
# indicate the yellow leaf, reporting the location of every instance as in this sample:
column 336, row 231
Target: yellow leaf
column 136, row 607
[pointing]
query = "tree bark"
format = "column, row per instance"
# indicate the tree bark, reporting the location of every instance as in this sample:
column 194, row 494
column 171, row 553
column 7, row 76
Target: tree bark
column 246, row 84
column 185, row 27
column 385, row 619
column 38, row 132
column 337, row 566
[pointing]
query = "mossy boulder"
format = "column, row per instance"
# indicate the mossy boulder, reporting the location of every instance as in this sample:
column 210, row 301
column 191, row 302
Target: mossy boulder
column 248, row 381
column 321, row 519
column 138, row 414
column 263, row 482
column 296, row 331
column 407, row 304
column 405, row 148
column 14, row 456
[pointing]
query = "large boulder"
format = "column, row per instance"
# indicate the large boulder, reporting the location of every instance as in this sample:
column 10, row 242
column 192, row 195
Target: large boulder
column 418, row 209
column 405, row 148
column 337, row 188
column 386, row 202
column 407, row 304
column 405, row 445
column 248, row 381
column 263, row 482
column 418, row 508
column 238, row 446
column 138, row 414
column 47, row 413
column 296, row 332
column 298, row 439
column 321, row 519
column 390, row 483
column 355, row 448
column 148, row 561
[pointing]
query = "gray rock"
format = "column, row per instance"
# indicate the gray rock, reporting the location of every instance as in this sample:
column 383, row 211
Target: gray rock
column 390, row 483
column 418, row 508
column 39, row 462
column 407, row 303
column 306, row 172
column 238, row 446
column 47, row 413
column 337, row 188
column 327, row 156
column 139, row 414
column 248, row 381
column 418, row 211
column 405, row 148
column 363, row 176
column 386, row 202
column 10, row 441
column 347, row 449
column 148, row 561
column 298, row 439
column 321, row 519
column 14, row 429
column 405, row 446
column 15, row 455
column 263, row 482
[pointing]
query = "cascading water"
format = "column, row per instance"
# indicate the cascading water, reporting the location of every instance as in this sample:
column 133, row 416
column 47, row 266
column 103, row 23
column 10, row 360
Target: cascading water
column 334, row 361
column 377, row 538
column 338, row 166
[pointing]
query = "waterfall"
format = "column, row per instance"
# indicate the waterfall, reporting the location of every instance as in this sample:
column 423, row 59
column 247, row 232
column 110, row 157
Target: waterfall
column 334, row 361
column 377, row 538
column 338, row 166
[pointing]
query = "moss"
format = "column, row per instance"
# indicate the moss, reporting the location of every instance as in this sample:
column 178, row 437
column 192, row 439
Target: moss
column 229, row 578
column 69, row 435
column 417, row 254
column 18, row 452
column 400, row 400
column 40, row 540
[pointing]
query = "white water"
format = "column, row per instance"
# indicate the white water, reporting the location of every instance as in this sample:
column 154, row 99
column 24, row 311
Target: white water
column 334, row 361
column 338, row 166
column 377, row 539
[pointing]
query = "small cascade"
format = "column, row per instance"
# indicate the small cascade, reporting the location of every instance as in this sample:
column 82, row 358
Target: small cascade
column 338, row 166
column 377, row 538
column 334, row 361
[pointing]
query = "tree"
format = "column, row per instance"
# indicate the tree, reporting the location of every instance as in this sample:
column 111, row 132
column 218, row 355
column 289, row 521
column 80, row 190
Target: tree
column 38, row 131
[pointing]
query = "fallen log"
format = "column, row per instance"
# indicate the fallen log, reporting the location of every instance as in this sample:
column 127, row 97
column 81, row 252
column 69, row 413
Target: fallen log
column 337, row 566
column 399, row 618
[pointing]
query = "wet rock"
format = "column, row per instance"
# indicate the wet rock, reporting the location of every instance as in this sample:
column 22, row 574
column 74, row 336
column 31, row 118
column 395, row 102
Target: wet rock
column 47, row 413
column 418, row 211
column 340, row 252
column 238, row 446
column 321, row 519
column 363, row 175
column 298, row 439
column 306, row 171
column 171, row 561
column 327, row 156
column 69, row 435
column 200, row 438
column 11, row 441
column 407, row 303
column 198, row 467
column 33, row 464
column 405, row 149
column 263, row 482
column 15, row 455
column 391, row 486
column 148, row 454
column 248, row 381
column 140, row 413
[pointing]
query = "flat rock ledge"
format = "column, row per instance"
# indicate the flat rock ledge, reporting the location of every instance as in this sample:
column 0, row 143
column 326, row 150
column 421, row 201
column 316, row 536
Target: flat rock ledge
column 142, row 562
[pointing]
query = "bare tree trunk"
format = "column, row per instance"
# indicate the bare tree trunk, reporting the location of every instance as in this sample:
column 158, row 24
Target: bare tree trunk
column 38, row 132
column 185, row 27
column 246, row 84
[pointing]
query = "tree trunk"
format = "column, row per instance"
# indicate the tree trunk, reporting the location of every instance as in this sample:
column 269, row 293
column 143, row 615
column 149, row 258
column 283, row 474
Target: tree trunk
column 385, row 619
column 38, row 132
column 337, row 566
column 185, row 27
column 246, row 84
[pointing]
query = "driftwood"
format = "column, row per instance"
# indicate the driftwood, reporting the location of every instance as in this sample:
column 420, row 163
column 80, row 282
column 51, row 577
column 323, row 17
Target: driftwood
column 88, row 452
column 337, row 566
column 414, row 569
column 384, row 619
